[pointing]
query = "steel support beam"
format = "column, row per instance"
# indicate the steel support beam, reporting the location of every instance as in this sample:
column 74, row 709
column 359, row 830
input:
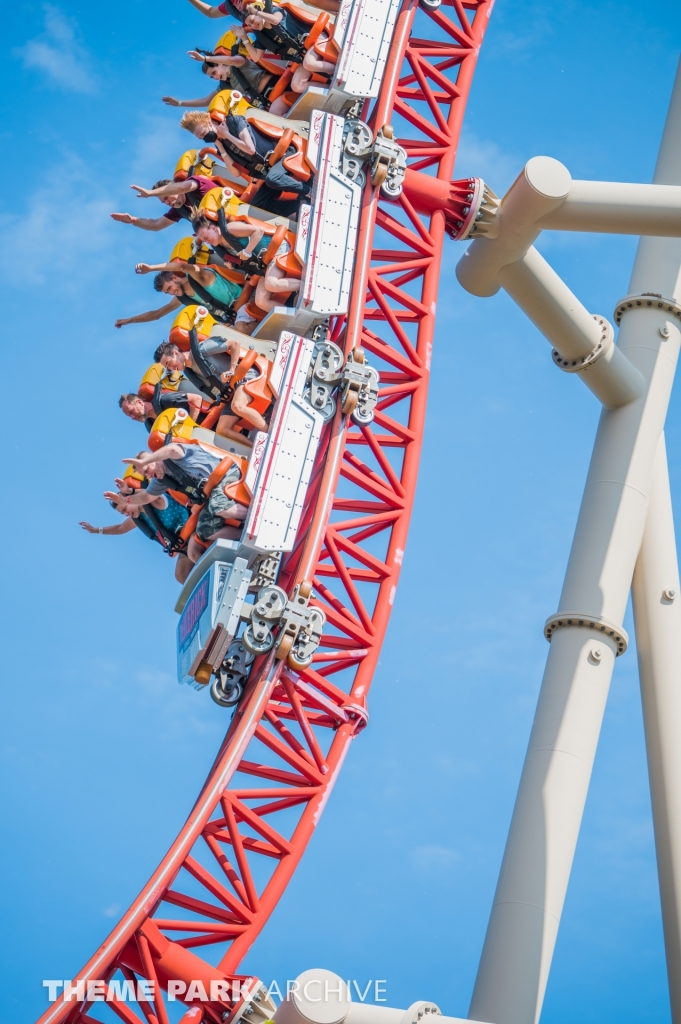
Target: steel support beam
column 505, row 258
column 657, row 613
column 620, row 208
column 586, row 636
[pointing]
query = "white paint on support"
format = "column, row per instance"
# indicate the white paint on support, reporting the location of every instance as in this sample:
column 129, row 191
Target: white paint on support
column 528, row 903
column 619, row 208
column 657, row 614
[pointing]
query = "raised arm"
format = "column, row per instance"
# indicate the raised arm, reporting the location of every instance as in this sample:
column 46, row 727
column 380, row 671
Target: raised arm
column 146, row 223
column 125, row 504
column 173, row 188
column 203, row 8
column 269, row 19
column 126, row 526
column 168, row 451
column 253, row 51
column 152, row 314
column 175, row 266
column 202, row 102
column 218, row 58
column 240, row 229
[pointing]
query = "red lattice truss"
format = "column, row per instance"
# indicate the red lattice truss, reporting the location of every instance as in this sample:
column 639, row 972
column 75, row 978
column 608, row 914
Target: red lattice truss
column 285, row 746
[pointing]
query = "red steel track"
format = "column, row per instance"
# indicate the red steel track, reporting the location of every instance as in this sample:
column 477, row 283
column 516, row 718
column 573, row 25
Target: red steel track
column 259, row 806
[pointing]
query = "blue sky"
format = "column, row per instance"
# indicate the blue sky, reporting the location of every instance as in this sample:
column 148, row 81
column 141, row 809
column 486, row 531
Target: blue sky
column 102, row 753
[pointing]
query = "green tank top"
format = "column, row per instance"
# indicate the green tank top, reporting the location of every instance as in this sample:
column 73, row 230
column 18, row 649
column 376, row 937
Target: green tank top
column 237, row 243
column 223, row 291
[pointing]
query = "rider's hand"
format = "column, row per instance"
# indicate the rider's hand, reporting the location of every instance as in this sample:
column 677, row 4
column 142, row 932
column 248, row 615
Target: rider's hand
column 170, row 101
column 121, row 323
column 90, row 529
column 243, row 255
column 143, row 268
column 124, row 218
column 195, row 55
column 142, row 193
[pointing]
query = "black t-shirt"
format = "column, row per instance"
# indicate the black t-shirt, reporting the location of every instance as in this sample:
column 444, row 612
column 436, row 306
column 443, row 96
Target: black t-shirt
column 263, row 145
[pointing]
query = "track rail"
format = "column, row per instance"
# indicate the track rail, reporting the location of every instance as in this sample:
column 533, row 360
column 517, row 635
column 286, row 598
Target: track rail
column 286, row 744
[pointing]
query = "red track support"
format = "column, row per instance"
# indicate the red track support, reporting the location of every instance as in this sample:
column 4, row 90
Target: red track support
column 251, row 823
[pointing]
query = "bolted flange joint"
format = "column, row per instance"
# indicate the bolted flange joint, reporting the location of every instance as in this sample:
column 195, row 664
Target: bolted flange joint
column 647, row 300
column 564, row 620
column 606, row 339
column 469, row 205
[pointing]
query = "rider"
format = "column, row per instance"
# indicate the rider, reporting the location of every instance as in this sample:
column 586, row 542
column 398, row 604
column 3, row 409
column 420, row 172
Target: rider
column 135, row 408
column 243, row 240
column 311, row 63
column 168, row 469
column 245, row 150
column 230, row 71
column 174, row 360
column 183, row 198
column 191, row 284
column 161, row 520
column 249, row 241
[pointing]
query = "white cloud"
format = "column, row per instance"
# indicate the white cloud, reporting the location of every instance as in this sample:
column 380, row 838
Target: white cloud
column 112, row 911
column 434, row 858
column 57, row 53
column 64, row 231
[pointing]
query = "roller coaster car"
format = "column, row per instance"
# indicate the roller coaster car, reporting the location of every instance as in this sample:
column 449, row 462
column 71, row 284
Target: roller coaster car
column 362, row 35
column 213, row 600
column 210, row 605
column 326, row 240
column 190, row 250
column 195, row 161
column 235, row 205
column 226, row 43
column 132, row 478
column 279, row 469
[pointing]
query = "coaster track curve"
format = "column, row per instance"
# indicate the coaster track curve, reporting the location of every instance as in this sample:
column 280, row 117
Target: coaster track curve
column 240, row 845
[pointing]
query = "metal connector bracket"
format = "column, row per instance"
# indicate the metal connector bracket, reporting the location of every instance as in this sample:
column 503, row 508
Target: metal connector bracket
column 356, row 381
column 387, row 160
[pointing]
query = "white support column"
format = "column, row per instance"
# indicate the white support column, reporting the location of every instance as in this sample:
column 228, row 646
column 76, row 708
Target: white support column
column 657, row 612
column 584, row 344
column 618, row 207
column 586, row 637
